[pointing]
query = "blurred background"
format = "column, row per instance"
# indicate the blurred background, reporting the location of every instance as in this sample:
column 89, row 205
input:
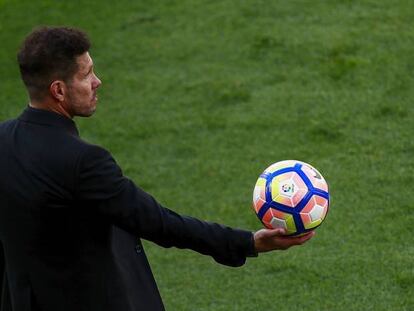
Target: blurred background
column 199, row 97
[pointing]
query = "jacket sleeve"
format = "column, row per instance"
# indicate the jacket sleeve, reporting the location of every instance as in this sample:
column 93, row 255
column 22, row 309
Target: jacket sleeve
column 101, row 180
column 2, row 268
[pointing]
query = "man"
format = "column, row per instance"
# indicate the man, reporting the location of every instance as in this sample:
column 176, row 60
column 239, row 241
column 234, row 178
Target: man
column 70, row 222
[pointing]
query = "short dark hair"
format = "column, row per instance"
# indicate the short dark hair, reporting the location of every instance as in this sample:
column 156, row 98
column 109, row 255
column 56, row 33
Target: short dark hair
column 48, row 54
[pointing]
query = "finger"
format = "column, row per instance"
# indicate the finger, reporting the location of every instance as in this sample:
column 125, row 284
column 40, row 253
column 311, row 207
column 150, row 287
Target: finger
column 292, row 240
column 308, row 235
column 302, row 239
column 277, row 232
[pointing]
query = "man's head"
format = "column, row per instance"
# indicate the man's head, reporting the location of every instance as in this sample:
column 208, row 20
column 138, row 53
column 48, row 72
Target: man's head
column 58, row 71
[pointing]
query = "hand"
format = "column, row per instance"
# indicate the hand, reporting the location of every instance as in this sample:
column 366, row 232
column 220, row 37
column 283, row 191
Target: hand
column 266, row 240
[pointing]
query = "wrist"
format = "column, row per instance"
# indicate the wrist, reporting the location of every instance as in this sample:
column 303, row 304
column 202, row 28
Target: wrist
column 252, row 252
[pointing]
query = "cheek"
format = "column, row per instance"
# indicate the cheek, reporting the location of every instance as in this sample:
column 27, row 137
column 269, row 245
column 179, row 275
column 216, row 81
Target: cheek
column 81, row 96
column 85, row 90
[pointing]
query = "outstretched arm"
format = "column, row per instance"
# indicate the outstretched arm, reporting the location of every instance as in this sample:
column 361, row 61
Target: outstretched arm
column 130, row 208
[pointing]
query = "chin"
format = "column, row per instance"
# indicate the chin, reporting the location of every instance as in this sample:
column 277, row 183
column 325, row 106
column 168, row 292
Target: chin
column 86, row 113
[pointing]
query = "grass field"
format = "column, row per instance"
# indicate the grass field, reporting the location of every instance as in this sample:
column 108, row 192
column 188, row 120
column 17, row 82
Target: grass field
column 198, row 97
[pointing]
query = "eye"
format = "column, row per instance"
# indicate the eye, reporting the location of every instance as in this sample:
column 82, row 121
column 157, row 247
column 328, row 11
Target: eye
column 89, row 71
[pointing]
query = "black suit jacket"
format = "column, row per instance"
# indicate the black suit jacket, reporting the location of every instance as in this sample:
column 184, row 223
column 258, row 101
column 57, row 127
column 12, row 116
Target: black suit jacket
column 71, row 223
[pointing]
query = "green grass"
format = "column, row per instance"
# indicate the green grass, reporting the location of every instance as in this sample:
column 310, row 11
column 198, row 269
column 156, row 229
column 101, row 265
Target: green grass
column 198, row 97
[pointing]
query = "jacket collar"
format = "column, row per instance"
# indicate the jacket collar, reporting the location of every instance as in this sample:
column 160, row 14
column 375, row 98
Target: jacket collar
column 45, row 117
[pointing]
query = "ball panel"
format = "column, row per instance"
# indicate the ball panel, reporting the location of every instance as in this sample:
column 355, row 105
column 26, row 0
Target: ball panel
column 324, row 203
column 302, row 189
column 278, row 223
column 274, row 218
column 267, row 218
column 314, row 212
column 321, row 201
column 306, row 219
column 283, row 200
column 279, row 165
column 259, row 197
column 261, row 182
column 308, row 207
column 290, row 222
column 281, row 220
column 313, row 224
column 277, row 213
column 315, row 177
column 288, row 189
column 258, row 204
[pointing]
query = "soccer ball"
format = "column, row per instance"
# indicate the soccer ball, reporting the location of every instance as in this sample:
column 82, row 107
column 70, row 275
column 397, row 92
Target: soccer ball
column 292, row 195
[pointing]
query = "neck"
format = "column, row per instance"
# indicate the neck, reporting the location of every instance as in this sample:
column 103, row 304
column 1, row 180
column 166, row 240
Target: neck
column 54, row 107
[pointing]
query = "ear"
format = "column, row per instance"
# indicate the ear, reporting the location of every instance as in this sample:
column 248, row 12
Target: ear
column 58, row 90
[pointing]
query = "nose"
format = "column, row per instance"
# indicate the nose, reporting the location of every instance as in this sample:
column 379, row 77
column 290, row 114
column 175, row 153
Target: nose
column 96, row 81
